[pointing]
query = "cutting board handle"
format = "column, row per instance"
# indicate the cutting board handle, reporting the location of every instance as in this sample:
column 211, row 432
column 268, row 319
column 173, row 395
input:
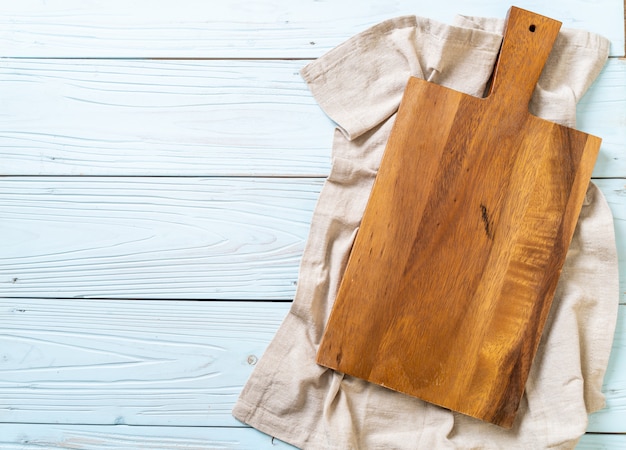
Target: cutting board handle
column 528, row 40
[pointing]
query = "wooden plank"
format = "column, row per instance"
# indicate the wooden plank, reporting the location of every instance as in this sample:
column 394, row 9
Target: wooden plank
column 602, row 441
column 615, row 193
column 203, row 118
column 252, row 28
column 607, row 95
column 224, row 238
column 612, row 418
column 179, row 363
column 206, row 238
column 128, row 117
column 97, row 437
column 133, row 363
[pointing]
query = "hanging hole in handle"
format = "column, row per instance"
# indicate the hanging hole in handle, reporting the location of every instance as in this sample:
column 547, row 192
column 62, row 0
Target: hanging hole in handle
column 532, row 28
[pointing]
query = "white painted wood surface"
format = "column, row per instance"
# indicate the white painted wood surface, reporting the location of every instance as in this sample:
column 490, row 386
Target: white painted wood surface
column 93, row 437
column 172, row 237
column 201, row 118
column 143, row 182
column 108, row 362
column 244, row 28
column 165, row 363
column 146, row 117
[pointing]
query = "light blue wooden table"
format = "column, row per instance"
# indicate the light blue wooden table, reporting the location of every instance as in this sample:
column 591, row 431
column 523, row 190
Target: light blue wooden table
column 155, row 154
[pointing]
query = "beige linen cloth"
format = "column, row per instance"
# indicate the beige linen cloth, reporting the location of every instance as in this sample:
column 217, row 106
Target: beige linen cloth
column 359, row 85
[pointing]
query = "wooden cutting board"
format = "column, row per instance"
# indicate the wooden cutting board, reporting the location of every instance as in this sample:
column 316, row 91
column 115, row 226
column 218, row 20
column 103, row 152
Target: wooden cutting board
column 455, row 264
